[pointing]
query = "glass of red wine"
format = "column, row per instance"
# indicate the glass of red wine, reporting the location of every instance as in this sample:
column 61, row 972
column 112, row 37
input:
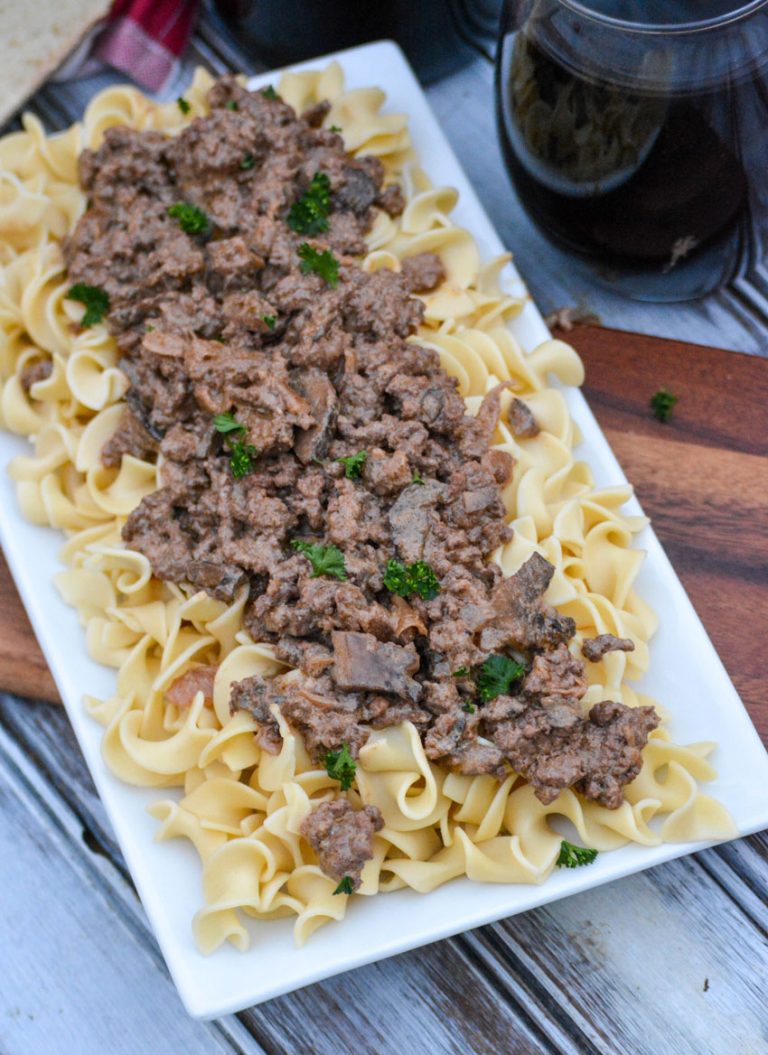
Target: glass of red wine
column 636, row 135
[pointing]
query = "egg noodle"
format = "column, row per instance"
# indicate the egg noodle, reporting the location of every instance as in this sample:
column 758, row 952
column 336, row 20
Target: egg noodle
column 243, row 808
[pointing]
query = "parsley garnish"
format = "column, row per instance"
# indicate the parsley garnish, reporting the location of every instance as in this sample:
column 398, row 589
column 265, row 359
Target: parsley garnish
column 396, row 578
column 323, row 264
column 269, row 321
column 346, row 886
column 325, row 560
column 269, row 92
column 241, row 461
column 468, row 707
column 662, row 404
column 416, row 478
column 227, row 424
column 334, row 128
column 495, row 676
column 571, row 856
column 340, row 765
column 232, row 105
column 416, row 578
column 96, row 302
column 353, row 464
column 309, row 215
column 191, row 219
column 462, row 672
column 183, row 104
column 248, row 162
column 242, row 454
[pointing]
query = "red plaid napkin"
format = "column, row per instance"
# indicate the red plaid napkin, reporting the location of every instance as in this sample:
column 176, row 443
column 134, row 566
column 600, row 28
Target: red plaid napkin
column 142, row 38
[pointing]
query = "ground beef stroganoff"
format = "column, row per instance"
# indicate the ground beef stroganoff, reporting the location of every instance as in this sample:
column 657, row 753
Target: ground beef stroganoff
column 324, row 513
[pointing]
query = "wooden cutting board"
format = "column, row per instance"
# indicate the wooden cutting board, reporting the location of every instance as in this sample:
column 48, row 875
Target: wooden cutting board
column 703, row 478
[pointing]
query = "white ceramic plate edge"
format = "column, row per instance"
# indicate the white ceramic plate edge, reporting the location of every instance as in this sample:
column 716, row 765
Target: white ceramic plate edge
column 167, row 875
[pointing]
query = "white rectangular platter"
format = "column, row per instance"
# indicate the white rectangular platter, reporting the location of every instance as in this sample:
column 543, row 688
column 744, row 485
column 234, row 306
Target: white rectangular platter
column 686, row 675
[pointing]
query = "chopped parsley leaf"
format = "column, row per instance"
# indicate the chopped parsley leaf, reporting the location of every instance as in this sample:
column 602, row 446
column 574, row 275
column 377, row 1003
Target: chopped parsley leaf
column 269, row 321
column 423, row 580
column 340, row 765
column 242, row 458
column 148, row 328
column 416, row 478
column 241, row 455
column 248, row 162
column 495, row 676
column 396, row 578
column 662, row 404
column 191, row 219
column 323, row 264
column 325, row 560
column 96, row 302
column 309, row 215
column 462, row 672
column 571, row 856
column 232, row 105
column 346, row 886
column 353, row 464
column 417, row 578
column 227, row 424
column 183, row 104
column 335, row 128
column 468, row 707
column 269, row 92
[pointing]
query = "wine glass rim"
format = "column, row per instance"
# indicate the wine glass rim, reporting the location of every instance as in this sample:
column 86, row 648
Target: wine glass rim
column 582, row 7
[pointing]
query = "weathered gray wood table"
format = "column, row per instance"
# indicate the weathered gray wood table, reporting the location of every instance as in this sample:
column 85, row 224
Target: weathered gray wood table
column 670, row 962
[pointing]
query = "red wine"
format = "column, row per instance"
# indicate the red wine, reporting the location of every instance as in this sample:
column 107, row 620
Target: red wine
column 657, row 180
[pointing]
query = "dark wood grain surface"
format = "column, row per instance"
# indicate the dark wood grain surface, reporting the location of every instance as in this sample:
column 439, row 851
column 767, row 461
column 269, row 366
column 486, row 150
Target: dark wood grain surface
column 702, row 477
column 23, row 669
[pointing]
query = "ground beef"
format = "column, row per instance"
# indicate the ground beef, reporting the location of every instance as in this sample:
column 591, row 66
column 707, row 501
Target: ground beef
column 357, row 184
column 392, row 200
column 612, row 744
column 256, row 695
column 448, row 742
column 221, row 581
column 379, row 307
column 555, row 675
column 326, row 720
column 387, row 474
column 594, row 648
column 423, row 272
column 223, row 329
column 230, row 263
column 554, row 748
column 342, row 837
